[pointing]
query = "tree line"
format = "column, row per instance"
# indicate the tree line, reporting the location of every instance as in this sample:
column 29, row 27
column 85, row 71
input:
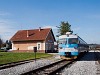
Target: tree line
column 2, row 44
column 6, row 44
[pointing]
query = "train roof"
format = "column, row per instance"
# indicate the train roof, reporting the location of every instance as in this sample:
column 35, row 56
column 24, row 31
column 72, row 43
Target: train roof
column 69, row 36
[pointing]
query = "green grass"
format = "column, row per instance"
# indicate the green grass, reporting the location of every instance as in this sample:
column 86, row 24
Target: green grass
column 7, row 57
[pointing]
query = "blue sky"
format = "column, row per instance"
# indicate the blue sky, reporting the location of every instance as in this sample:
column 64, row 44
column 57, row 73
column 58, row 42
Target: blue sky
column 83, row 15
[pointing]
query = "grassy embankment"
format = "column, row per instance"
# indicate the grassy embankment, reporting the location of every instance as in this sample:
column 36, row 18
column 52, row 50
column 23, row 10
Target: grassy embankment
column 7, row 57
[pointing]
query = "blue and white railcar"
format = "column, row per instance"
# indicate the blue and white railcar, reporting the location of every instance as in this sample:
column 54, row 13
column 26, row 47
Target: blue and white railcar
column 71, row 45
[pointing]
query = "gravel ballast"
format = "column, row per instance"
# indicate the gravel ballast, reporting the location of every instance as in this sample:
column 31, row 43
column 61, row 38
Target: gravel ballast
column 86, row 66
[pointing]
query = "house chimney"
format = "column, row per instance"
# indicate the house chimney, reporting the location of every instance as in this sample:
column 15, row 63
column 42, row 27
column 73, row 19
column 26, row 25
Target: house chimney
column 39, row 28
column 27, row 34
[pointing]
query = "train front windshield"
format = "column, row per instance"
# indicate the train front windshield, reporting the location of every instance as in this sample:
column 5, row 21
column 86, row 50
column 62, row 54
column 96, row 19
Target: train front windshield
column 72, row 41
column 63, row 41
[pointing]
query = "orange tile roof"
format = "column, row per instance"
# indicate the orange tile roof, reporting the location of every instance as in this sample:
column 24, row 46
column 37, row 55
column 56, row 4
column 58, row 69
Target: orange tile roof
column 35, row 34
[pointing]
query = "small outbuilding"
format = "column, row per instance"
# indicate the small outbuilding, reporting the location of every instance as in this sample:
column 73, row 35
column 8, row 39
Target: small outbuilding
column 26, row 40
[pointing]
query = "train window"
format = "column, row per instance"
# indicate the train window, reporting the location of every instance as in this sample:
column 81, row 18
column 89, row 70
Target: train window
column 73, row 41
column 62, row 41
column 78, row 42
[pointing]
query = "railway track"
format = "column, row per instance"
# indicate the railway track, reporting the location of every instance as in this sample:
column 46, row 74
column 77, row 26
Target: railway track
column 54, row 68
column 50, row 69
column 4, row 66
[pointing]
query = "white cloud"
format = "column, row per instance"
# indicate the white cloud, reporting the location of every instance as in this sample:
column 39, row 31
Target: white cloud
column 6, row 29
column 5, row 26
column 50, row 26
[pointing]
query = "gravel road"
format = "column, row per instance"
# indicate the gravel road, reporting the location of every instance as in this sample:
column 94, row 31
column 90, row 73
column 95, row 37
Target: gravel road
column 86, row 66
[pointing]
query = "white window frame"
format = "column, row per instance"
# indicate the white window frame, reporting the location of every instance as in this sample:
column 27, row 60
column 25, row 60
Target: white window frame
column 40, row 45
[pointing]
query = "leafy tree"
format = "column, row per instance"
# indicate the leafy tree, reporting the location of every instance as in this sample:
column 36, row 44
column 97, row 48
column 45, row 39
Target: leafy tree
column 63, row 28
column 1, row 42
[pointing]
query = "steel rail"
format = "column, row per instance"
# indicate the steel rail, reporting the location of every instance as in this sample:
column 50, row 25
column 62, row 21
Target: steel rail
column 8, row 65
column 53, row 68
column 49, row 69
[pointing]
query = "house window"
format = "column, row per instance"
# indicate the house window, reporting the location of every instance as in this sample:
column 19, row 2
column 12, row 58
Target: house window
column 38, row 46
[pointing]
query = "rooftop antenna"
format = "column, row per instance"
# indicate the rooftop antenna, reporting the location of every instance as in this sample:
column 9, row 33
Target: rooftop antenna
column 68, row 33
